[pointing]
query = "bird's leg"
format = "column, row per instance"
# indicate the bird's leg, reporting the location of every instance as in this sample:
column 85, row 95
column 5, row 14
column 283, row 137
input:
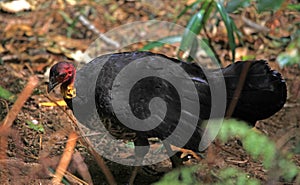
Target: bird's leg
column 175, row 159
column 141, row 149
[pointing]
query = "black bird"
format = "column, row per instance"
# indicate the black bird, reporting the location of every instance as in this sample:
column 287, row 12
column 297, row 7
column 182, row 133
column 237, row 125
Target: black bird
column 263, row 94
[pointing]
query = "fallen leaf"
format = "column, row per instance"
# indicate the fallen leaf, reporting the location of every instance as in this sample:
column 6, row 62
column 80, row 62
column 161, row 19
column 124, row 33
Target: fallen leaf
column 5, row 94
column 189, row 2
column 35, row 126
column 240, row 52
column 15, row 6
column 52, row 104
column 18, row 30
column 71, row 2
column 2, row 49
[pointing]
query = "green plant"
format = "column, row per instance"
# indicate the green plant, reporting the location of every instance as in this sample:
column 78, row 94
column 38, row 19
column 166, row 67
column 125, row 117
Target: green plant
column 259, row 146
column 202, row 11
column 7, row 95
column 291, row 55
column 184, row 176
column 71, row 23
column 35, row 126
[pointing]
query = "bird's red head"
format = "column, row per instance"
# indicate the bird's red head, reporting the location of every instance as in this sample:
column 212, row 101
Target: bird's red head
column 63, row 73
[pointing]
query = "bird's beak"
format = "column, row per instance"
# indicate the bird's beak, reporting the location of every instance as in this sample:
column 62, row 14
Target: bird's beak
column 52, row 85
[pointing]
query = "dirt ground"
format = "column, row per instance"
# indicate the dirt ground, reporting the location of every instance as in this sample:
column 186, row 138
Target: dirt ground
column 32, row 41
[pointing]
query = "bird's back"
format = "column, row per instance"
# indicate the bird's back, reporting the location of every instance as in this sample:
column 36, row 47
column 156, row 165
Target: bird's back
column 264, row 94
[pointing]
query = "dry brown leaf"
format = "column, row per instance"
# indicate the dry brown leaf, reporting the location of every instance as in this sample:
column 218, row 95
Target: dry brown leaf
column 240, row 53
column 15, row 6
column 54, row 50
column 65, row 159
column 18, row 30
column 71, row 2
column 52, row 104
column 120, row 15
column 45, row 28
column 189, row 2
column 2, row 49
column 68, row 42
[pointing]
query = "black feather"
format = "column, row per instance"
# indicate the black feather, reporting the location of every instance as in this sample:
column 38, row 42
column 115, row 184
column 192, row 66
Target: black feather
column 264, row 94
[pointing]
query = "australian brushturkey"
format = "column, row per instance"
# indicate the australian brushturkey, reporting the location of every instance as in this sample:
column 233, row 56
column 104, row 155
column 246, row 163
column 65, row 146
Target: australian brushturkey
column 263, row 94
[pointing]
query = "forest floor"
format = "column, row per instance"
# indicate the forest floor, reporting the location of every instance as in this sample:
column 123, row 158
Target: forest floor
column 33, row 40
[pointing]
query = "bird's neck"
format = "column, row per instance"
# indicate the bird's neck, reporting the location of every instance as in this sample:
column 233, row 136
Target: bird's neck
column 67, row 88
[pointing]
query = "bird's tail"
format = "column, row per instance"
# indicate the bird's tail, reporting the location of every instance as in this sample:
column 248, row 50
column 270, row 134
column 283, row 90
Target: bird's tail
column 264, row 91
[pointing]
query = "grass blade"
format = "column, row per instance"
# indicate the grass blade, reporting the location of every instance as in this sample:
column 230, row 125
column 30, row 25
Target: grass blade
column 161, row 42
column 268, row 5
column 230, row 27
column 191, row 6
column 193, row 28
column 234, row 5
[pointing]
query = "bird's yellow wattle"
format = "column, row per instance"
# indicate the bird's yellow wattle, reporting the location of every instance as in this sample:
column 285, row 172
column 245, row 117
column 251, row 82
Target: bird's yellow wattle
column 69, row 92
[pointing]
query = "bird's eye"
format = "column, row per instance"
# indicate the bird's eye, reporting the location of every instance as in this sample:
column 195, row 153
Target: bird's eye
column 60, row 77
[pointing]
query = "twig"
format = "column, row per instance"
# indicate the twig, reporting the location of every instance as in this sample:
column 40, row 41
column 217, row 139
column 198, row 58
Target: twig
column 14, row 111
column 254, row 25
column 251, row 24
column 186, row 151
column 3, row 139
column 85, row 142
column 237, row 161
column 65, row 159
column 12, row 115
column 57, row 104
column 285, row 138
column 91, row 27
column 82, row 168
column 226, row 150
column 74, row 180
column 238, row 89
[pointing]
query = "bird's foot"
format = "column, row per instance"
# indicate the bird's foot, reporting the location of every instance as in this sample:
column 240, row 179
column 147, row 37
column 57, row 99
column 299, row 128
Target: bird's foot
column 133, row 174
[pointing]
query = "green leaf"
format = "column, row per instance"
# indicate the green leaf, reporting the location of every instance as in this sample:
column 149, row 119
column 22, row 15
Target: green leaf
column 230, row 27
column 180, row 176
column 208, row 9
column 63, row 180
column 234, row 5
column 289, row 169
column 248, row 141
column 194, row 27
column 5, row 94
column 297, row 148
column 254, row 143
column 268, row 5
column 285, row 59
column 161, row 42
column 292, row 54
column 294, row 7
column 130, row 144
column 66, row 17
column 269, row 151
column 248, row 57
column 37, row 127
column 191, row 6
column 232, row 175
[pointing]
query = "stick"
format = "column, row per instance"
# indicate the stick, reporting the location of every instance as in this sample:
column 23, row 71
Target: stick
column 238, row 90
column 100, row 161
column 65, row 159
column 91, row 27
column 14, row 111
column 12, row 115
